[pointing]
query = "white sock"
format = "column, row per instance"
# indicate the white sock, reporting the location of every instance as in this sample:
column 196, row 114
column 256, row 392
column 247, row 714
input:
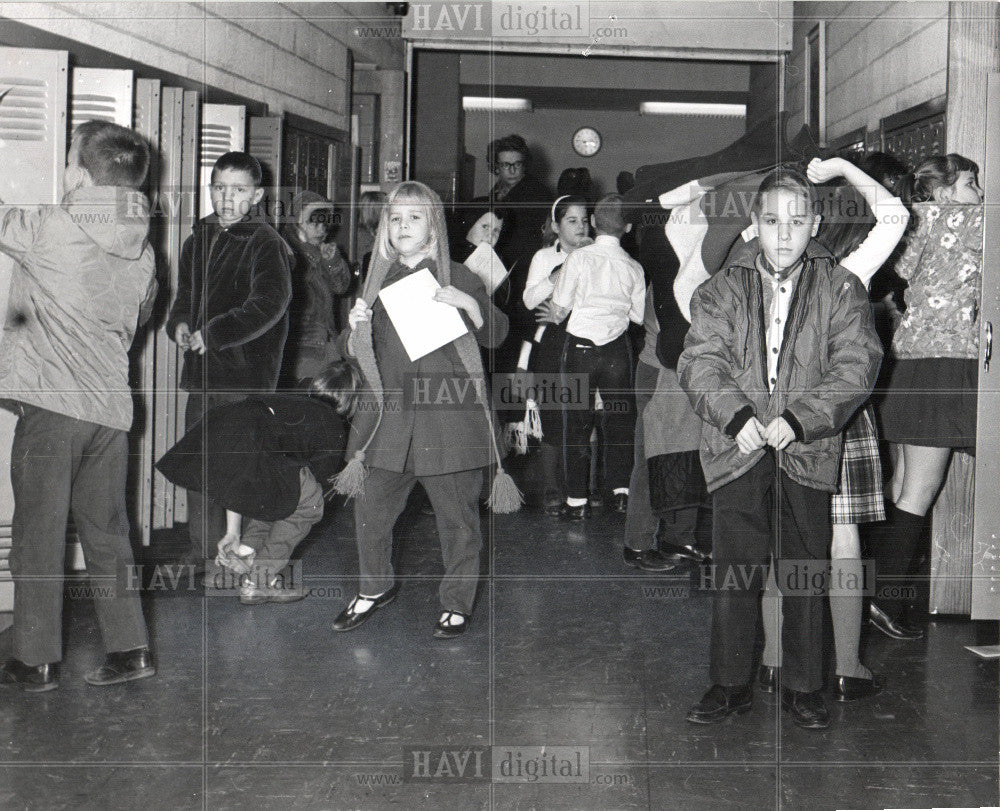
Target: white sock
column 621, row 491
column 575, row 502
column 453, row 618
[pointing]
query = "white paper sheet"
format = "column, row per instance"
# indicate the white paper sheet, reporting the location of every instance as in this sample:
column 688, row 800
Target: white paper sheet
column 485, row 263
column 423, row 324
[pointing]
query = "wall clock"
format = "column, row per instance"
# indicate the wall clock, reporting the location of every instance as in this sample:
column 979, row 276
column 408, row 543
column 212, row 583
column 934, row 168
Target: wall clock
column 586, row 141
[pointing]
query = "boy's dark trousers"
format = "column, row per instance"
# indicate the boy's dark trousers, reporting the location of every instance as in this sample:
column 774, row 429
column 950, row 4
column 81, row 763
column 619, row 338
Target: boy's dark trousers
column 274, row 541
column 609, row 369
column 206, row 519
column 59, row 463
column 455, row 499
column 760, row 514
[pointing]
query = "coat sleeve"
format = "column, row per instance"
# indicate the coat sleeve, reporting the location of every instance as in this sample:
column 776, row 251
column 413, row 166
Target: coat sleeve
column 18, row 229
column 705, row 367
column 336, row 270
column 265, row 304
column 494, row 329
column 149, row 299
column 180, row 310
column 854, row 354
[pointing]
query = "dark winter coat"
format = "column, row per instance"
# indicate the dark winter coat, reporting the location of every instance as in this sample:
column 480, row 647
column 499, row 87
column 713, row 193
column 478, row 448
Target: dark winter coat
column 234, row 285
column 431, row 412
column 246, row 456
column 827, row 367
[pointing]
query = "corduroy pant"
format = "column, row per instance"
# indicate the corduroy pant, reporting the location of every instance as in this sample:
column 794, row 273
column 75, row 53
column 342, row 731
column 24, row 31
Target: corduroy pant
column 455, row 499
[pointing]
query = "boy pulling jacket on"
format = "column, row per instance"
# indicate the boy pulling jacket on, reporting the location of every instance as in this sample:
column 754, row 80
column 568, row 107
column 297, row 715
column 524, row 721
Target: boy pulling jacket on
column 84, row 279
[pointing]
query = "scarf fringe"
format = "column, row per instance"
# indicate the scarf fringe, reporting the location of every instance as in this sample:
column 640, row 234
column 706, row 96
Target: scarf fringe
column 505, row 497
column 350, row 481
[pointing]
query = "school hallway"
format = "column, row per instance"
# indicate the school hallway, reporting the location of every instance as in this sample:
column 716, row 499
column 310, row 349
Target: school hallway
column 267, row 707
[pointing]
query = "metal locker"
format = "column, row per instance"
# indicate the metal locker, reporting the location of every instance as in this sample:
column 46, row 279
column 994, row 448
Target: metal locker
column 223, row 129
column 33, row 85
column 265, row 146
column 99, row 94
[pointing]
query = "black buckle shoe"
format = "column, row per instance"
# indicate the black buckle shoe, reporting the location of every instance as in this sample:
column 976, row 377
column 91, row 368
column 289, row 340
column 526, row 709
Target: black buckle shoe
column 30, row 678
column 567, row 513
column 649, row 560
column 721, row 702
column 350, row 618
column 849, row 688
column 122, row 666
column 808, row 709
column 896, row 629
column 445, row 630
column 767, row 678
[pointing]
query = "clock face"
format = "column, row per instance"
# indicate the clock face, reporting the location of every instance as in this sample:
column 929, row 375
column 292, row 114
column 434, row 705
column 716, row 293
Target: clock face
column 586, row 141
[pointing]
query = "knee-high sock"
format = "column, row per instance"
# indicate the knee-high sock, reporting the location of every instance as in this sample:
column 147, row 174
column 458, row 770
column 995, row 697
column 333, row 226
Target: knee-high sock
column 893, row 553
column 770, row 615
column 846, row 605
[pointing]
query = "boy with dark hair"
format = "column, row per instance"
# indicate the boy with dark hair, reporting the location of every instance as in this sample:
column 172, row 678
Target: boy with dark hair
column 84, row 278
column 230, row 314
column 601, row 288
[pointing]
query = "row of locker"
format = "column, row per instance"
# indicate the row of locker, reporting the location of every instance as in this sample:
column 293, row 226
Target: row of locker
column 41, row 101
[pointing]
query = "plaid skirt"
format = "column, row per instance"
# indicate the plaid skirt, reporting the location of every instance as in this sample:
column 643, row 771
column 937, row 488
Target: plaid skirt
column 859, row 497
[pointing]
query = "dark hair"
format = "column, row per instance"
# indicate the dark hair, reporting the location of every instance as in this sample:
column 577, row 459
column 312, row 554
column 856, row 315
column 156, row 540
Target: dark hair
column 847, row 219
column 960, row 163
column 625, row 182
column 575, row 181
column 112, row 155
column 609, row 215
column 338, row 384
column 558, row 211
column 241, row 162
column 788, row 179
column 509, row 143
column 324, row 215
column 882, row 166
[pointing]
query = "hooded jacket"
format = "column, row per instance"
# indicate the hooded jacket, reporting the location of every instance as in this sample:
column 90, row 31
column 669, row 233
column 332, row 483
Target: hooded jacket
column 85, row 277
column 827, row 367
column 234, row 285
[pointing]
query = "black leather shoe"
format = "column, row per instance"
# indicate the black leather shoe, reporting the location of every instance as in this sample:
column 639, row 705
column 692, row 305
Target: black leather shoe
column 687, row 551
column 444, row 628
column 350, row 618
column 596, row 501
column 30, row 678
column 567, row 513
column 808, row 709
column 122, row 666
column 767, row 678
column 619, row 503
column 849, row 688
column 721, row 702
column 552, row 506
column 649, row 560
column 897, row 629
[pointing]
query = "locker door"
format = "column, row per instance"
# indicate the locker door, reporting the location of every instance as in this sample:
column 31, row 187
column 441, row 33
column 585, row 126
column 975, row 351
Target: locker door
column 100, row 95
column 223, row 129
column 33, row 154
column 986, row 515
column 265, row 146
column 143, row 354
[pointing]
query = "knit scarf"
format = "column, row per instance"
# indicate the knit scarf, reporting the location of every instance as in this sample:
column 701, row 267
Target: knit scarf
column 505, row 497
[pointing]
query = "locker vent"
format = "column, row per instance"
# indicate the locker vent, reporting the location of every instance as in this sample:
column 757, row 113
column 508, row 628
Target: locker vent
column 23, row 109
column 93, row 107
column 216, row 141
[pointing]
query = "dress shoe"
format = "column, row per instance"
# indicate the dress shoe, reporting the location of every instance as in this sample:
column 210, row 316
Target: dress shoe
column 252, row 594
column 445, row 629
column 897, row 629
column 851, row 689
column 596, row 501
column 122, row 666
column 351, row 617
column 767, row 678
column 552, row 506
column 619, row 503
column 721, row 702
column 649, row 560
column 567, row 513
column 687, row 551
column 807, row 709
column 30, row 678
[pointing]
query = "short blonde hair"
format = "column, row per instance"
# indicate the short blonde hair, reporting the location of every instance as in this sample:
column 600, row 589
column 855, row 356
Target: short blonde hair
column 408, row 193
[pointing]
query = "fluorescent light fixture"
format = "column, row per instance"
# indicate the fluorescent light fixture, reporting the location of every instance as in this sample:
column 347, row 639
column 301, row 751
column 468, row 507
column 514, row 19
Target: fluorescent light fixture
column 692, row 108
column 495, row 104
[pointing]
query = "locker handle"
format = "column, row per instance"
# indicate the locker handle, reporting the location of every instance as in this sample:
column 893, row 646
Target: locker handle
column 989, row 346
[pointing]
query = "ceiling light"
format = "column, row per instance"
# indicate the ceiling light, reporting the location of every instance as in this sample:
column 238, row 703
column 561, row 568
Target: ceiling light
column 691, row 108
column 495, row 104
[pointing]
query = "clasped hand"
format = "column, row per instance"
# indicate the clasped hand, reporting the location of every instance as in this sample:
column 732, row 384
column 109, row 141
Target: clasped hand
column 754, row 435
